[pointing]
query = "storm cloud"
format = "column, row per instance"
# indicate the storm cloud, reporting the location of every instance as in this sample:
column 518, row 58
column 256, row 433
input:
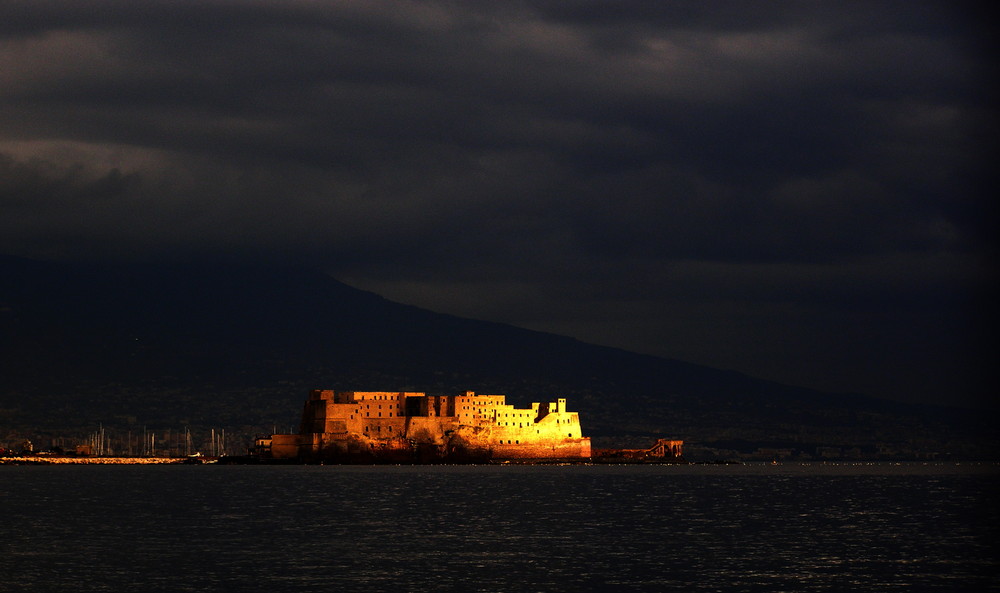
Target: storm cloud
column 793, row 190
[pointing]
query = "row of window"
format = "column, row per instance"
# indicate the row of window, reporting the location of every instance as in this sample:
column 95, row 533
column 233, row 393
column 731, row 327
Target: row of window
column 369, row 429
column 379, row 397
column 379, row 407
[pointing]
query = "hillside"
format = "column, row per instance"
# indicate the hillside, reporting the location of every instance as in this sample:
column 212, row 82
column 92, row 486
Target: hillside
column 239, row 347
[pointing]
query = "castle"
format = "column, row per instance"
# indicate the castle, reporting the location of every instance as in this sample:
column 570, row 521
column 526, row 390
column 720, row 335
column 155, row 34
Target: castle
column 411, row 427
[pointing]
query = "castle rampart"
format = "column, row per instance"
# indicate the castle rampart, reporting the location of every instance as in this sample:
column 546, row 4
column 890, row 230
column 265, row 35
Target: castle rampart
column 415, row 427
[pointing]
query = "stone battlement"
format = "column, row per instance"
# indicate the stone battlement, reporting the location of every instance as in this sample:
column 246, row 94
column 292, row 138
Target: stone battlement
column 371, row 426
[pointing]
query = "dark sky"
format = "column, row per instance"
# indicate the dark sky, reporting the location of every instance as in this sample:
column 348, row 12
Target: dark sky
column 793, row 190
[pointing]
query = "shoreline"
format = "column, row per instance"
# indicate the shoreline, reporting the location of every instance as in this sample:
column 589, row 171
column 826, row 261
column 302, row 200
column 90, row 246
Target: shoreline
column 55, row 460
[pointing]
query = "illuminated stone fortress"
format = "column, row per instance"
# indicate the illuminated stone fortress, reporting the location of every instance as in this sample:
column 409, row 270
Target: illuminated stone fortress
column 358, row 426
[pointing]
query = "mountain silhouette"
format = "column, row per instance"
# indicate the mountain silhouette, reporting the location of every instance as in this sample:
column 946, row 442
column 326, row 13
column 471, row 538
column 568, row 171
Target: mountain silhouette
column 240, row 346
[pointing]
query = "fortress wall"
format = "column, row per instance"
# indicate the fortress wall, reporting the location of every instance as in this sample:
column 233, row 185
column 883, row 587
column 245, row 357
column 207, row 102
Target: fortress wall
column 436, row 405
column 340, row 417
column 430, row 429
column 544, row 449
column 361, row 422
column 527, row 442
column 559, row 425
column 475, row 409
column 393, row 407
column 285, row 446
column 510, row 417
column 344, row 397
column 313, row 416
column 386, row 398
column 383, row 428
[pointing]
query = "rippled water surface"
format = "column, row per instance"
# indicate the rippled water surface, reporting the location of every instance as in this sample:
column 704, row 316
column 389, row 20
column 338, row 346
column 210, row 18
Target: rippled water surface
column 499, row 528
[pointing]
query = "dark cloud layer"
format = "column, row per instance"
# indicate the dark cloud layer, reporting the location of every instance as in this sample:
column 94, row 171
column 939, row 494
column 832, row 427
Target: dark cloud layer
column 794, row 190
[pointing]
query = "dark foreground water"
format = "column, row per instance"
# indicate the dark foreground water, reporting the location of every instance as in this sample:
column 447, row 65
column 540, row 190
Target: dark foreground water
column 499, row 528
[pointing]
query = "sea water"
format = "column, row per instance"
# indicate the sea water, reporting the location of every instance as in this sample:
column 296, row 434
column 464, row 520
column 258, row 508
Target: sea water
column 726, row 528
